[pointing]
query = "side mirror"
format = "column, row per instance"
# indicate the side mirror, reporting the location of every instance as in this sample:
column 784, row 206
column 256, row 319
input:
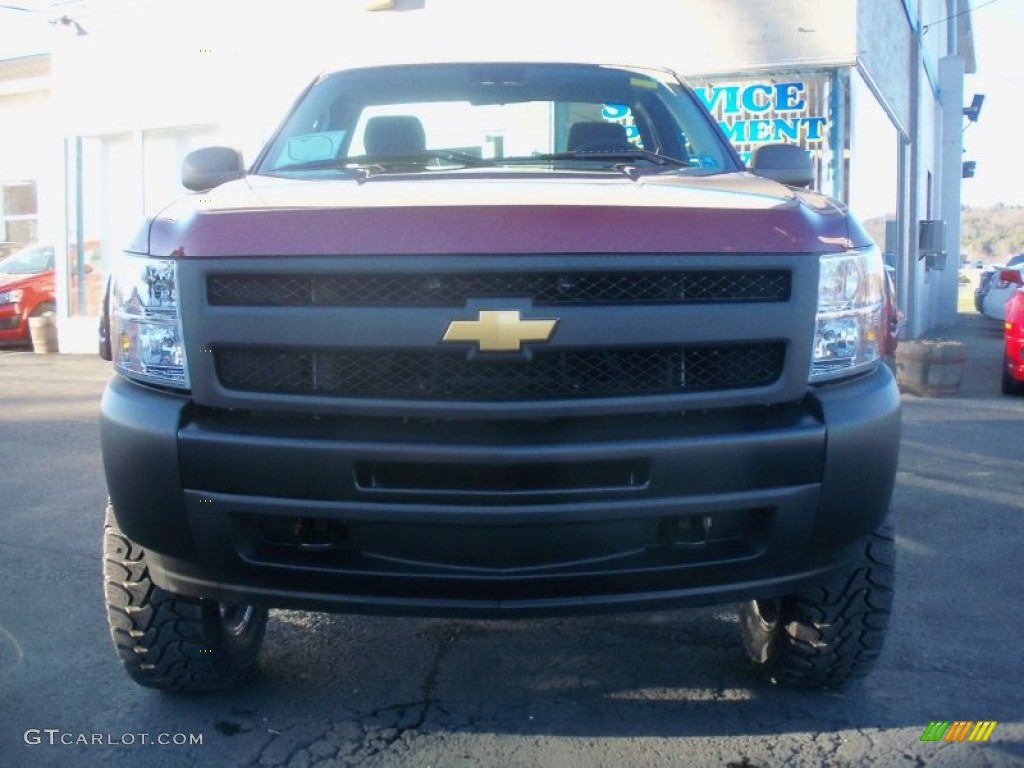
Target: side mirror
column 785, row 163
column 207, row 168
column 1011, row 276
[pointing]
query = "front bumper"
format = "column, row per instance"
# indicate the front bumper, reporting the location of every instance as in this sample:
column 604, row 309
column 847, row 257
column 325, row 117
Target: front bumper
column 544, row 516
column 13, row 325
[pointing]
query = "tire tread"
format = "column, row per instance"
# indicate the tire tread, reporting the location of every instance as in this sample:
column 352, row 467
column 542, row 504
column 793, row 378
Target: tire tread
column 167, row 641
column 831, row 634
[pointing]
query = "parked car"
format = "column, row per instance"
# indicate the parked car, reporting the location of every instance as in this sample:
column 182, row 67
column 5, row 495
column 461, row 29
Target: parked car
column 987, row 280
column 26, row 290
column 984, row 286
column 1013, row 356
column 1004, row 282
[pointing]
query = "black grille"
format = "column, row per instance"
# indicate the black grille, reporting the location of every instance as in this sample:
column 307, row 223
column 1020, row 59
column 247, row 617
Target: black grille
column 454, row 289
column 451, row 376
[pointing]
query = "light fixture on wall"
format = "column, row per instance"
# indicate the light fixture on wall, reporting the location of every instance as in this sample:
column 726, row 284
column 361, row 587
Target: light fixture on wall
column 972, row 112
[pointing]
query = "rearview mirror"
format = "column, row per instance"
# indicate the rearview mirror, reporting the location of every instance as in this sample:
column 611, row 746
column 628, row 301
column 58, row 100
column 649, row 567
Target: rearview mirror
column 209, row 167
column 785, row 163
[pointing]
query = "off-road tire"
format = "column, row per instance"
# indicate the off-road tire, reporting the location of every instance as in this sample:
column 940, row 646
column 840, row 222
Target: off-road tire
column 833, row 633
column 170, row 642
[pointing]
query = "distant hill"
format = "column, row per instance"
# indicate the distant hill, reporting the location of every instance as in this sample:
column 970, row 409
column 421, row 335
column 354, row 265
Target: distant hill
column 990, row 234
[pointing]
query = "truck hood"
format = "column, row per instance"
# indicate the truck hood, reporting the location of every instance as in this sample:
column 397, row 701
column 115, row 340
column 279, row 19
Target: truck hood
column 498, row 211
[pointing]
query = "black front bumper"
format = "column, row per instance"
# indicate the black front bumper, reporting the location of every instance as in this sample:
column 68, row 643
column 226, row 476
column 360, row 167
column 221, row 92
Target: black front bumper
column 500, row 518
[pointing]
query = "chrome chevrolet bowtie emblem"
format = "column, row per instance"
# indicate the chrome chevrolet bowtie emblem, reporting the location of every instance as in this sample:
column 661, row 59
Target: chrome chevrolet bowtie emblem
column 499, row 330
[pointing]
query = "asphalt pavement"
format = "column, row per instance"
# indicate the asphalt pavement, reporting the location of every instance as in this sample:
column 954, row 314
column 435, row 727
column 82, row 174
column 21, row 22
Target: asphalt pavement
column 662, row 689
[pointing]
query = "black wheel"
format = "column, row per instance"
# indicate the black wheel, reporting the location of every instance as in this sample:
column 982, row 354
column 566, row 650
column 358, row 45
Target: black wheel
column 170, row 642
column 1010, row 385
column 826, row 636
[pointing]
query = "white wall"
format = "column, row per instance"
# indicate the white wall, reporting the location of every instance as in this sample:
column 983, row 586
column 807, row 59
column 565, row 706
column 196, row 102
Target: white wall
column 692, row 36
column 949, row 162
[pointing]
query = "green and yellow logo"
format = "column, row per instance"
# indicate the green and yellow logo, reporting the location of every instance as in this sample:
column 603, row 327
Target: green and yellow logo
column 958, row 730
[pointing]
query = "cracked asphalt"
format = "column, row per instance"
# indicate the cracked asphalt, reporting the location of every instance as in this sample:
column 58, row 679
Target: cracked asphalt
column 650, row 689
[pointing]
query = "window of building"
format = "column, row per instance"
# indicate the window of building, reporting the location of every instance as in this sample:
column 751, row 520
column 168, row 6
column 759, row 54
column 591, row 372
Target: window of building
column 114, row 180
column 19, row 208
column 875, row 170
column 791, row 107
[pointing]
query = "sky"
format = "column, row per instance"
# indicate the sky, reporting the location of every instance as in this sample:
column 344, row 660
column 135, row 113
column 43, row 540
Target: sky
column 994, row 141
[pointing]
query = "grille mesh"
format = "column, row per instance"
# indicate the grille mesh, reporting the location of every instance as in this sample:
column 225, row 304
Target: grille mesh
column 451, row 376
column 454, row 289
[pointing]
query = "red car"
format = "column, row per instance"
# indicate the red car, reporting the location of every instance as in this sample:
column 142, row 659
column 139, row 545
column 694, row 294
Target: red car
column 27, row 287
column 26, row 290
column 1013, row 355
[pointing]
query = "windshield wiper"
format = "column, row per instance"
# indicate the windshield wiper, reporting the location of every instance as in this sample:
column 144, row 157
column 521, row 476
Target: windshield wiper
column 321, row 165
column 363, row 166
column 611, row 155
column 462, row 159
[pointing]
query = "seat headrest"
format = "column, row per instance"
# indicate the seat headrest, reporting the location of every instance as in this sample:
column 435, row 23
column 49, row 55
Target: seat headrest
column 394, row 135
column 598, row 136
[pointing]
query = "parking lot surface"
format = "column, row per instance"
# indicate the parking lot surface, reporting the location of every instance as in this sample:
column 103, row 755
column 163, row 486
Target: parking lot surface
column 659, row 689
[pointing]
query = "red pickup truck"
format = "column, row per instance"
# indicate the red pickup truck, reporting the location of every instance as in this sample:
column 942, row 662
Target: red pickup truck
column 498, row 339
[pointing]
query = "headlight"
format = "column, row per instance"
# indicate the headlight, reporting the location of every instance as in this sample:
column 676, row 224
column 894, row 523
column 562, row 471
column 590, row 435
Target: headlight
column 145, row 325
column 848, row 335
column 11, row 297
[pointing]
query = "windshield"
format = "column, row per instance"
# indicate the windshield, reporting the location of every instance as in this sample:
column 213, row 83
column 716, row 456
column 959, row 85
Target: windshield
column 28, row 261
column 453, row 116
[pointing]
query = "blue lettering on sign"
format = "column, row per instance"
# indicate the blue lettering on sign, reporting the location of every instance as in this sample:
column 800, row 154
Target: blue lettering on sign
column 750, row 99
column 759, row 130
column 776, row 129
column 621, row 114
column 736, row 133
column 787, row 97
column 710, row 96
column 755, row 113
column 757, row 97
column 615, row 111
column 786, row 129
column 814, row 127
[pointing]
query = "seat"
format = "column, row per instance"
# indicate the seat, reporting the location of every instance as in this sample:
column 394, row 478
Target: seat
column 598, row 137
column 394, row 136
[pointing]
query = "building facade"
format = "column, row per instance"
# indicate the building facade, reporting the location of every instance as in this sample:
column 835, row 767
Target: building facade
column 872, row 88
